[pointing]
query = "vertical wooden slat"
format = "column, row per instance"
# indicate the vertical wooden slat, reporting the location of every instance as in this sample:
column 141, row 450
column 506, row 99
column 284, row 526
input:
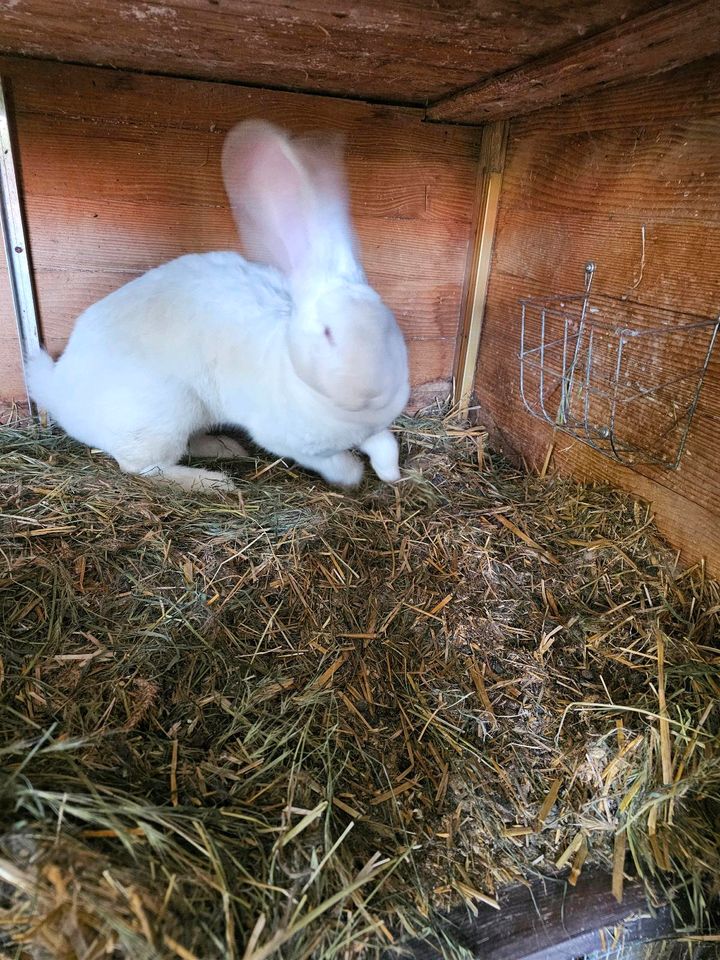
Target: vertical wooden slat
column 487, row 198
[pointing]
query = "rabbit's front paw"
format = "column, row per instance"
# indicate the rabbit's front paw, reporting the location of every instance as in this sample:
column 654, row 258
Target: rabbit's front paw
column 341, row 469
column 382, row 448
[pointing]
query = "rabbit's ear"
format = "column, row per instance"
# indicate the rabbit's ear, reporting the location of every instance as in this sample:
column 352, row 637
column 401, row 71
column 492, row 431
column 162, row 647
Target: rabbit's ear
column 289, row 200
column 332, row 239
column 270, row 192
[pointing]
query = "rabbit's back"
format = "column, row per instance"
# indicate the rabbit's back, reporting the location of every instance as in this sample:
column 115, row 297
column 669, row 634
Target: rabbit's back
column 159, row 343
column 169, row 312
column 176, row 319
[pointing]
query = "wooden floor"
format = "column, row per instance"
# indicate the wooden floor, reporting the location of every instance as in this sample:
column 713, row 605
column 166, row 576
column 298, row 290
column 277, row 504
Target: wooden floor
column 551, row 920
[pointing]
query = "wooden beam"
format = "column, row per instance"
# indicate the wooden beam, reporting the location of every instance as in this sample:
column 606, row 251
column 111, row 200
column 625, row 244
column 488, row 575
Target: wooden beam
column 487, row 200
column 676, row 34
column 548, row 920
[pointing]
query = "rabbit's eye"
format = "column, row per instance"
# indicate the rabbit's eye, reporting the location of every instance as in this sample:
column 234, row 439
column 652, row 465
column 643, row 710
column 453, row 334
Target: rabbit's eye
column 328, row 335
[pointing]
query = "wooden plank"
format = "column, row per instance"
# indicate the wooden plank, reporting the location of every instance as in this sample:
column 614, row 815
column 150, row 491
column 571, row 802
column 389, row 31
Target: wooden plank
column 12, row 386
column 101, row 250
column 646, row 101
column 657, row 41
column 548, row 921
column 386, row 50
column 490, row 167
column 412, row 177
column 676, row 258
column 390, row 246
column 580, row 183
column 11, row 378
column 135, row 181
column 430, row 362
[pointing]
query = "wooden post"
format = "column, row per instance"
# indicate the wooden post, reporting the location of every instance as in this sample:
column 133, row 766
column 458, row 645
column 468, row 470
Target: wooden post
column 487, row 198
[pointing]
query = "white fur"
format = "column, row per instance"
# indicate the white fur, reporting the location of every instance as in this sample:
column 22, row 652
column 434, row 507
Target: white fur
column 302, row 353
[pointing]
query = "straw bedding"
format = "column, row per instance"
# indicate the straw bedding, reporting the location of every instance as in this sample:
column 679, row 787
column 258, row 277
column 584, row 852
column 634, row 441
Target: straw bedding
column 297, row 722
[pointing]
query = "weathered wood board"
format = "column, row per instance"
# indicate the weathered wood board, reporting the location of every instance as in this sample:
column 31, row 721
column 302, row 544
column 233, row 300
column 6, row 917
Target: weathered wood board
column 121, row 172
column 580, row 183
column 663, row 39
column 386, row 50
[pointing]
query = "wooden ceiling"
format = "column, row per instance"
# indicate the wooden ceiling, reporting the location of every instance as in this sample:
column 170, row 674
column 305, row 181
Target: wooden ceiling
column 402, row 51
column 414, row 52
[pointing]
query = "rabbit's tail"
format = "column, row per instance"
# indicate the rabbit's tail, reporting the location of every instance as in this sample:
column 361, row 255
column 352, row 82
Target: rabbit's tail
column 40, row 373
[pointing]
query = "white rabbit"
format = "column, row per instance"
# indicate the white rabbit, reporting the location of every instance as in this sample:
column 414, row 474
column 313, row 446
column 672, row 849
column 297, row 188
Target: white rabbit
column 297, row 349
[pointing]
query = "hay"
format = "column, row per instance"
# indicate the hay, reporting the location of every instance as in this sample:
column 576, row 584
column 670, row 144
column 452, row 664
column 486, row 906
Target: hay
column 298, row 722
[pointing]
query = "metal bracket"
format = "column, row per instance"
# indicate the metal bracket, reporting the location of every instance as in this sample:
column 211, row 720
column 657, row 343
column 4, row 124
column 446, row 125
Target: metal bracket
column 16, row 248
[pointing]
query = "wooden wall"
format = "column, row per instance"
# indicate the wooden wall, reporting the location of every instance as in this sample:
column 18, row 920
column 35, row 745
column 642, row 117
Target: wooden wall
column 580, row 182
column 121, row 172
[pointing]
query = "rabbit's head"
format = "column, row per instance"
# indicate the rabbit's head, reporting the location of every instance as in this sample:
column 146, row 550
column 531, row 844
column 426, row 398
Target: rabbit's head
column 290, row 202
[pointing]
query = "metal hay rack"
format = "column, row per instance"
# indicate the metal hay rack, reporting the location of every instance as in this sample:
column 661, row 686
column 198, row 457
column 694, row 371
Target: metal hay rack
column 620, row 376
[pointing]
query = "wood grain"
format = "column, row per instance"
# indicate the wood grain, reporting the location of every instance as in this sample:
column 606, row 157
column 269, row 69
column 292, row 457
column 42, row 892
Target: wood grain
column 121, row 172
column 411, row 179
column 660, row 40
column 477, row 273
column 387, row 50
column 11, row 379
column 580, row 183
column 548, row 920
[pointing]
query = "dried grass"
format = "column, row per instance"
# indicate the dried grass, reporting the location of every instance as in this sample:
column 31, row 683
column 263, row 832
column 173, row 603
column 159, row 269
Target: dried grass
column 298, row 722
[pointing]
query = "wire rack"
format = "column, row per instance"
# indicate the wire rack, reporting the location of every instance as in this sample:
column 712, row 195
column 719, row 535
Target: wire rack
column 620, row 376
